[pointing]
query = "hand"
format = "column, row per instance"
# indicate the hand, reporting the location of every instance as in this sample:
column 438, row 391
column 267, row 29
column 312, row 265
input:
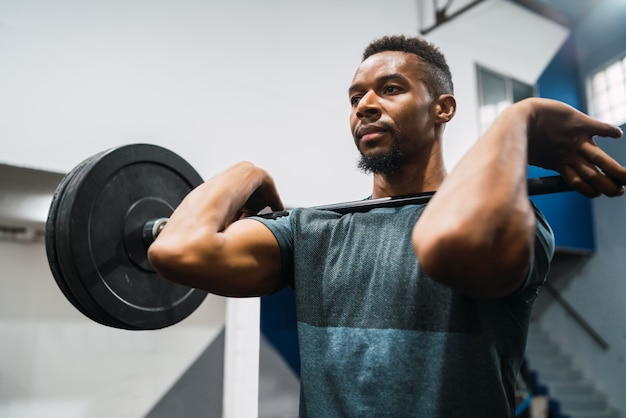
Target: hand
column 265, row 195
column 244, row 190
column 560, row 138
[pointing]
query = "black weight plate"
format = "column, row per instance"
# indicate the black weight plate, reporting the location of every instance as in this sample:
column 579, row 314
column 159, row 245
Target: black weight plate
column 91, row 243
column 58, row 240
column 50, row 241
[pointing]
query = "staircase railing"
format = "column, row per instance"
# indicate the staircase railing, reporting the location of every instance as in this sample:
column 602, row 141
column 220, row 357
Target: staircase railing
column 577, row 317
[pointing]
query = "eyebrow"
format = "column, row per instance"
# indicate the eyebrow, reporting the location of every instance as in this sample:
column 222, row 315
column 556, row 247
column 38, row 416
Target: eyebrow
column 380, row 80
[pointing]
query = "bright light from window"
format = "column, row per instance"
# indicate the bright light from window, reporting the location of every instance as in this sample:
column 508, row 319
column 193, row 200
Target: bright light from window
column 489, row 113
column 607, row 93
column 495, row 93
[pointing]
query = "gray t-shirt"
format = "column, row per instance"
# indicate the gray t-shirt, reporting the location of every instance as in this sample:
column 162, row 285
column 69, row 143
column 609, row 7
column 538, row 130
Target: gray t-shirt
column 378, row 338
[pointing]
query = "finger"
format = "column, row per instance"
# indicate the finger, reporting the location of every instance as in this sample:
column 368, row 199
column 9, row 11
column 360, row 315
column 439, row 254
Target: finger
column 577, row 182
column 278, row 205
column 270, row 194
column 246, row 214
column 591, row 177
column 609, row 166
column 614, row 132
column 610, row 131
column 600, row 181
column 598, row 128
column 276, row 202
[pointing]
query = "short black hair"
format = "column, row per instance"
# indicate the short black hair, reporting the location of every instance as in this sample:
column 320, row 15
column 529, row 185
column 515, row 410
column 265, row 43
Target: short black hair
column 438, row 75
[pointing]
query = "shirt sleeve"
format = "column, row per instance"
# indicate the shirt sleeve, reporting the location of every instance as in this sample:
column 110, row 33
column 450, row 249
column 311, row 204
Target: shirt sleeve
column 540, row 261
column 283, row 232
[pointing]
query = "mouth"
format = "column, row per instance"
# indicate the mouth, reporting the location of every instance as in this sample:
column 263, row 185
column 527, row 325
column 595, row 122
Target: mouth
column 369, row 133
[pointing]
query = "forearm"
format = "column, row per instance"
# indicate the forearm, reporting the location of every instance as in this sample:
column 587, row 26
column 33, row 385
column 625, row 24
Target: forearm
column 209, row 208
column 476, row 234
column 197, row 248
column 220, row 200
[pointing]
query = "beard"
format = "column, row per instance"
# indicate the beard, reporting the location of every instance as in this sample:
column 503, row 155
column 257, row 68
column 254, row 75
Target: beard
column 386, row 163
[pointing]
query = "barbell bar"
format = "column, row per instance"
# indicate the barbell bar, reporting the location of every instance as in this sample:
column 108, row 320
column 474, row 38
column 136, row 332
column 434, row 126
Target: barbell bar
column 536, row 186
column 107, row 211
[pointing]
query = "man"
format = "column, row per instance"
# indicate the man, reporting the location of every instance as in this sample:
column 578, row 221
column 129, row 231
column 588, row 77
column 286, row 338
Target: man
column 420, row 310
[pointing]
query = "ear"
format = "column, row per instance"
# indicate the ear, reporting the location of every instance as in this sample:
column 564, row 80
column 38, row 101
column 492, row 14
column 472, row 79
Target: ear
column 445, row 108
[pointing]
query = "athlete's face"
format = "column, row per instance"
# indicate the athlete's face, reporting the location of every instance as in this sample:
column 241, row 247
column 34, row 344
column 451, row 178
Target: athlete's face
column 391, row 117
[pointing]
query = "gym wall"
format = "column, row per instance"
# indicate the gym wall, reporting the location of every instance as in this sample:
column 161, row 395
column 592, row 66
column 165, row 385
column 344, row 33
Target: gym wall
column 594, row 285
column 216, row 82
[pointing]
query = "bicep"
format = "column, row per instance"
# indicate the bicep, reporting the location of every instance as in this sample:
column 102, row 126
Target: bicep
column 251, row 259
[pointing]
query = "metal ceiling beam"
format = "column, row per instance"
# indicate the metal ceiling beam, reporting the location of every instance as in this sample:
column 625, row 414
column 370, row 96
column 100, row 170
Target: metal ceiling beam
column 441, row 14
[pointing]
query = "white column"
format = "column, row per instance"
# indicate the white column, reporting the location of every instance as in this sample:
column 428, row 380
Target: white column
column 241, row 358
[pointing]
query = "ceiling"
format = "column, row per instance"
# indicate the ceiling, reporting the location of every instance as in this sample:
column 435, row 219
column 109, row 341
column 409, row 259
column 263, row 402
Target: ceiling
column 566, row 12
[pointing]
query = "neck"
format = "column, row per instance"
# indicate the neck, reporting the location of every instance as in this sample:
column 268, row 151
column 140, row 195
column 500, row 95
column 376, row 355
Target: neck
column 418, row 177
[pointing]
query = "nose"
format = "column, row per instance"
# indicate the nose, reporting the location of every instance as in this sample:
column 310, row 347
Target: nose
column 368, row 107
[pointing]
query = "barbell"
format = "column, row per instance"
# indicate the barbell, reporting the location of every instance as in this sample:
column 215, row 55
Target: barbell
column 107, row 211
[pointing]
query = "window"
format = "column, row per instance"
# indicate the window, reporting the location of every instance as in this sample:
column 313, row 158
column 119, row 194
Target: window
column 495, row 93
column 606, row 89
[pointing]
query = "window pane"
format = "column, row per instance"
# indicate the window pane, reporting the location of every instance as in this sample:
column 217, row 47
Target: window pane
column 487, row 115
column 497, row 93
column 617, row 95
column 493, row 88
column 604, row 116
column 600, row 102
column 614, row 75
column 607, row 92
column 619, row 115
column 521, row 91
column 598, row 82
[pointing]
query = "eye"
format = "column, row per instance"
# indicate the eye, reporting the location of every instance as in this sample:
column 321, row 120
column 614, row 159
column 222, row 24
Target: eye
column 390, row 89
column 354, row 100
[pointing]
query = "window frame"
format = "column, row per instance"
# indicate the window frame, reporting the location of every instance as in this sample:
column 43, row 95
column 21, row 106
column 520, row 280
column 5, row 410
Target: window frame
column 508, row 82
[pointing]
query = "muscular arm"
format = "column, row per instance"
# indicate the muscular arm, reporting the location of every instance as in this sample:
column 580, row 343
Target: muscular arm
column 204, row 245
column 477, row 233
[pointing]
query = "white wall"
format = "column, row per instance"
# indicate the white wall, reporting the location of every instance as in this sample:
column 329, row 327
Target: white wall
column 502, row 37
column 220, row 82
column 54, row 362
column 216, row 82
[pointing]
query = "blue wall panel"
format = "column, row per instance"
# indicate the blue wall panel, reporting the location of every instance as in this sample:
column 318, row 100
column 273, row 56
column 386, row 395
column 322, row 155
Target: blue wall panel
column 569, row 214
column 278, row 325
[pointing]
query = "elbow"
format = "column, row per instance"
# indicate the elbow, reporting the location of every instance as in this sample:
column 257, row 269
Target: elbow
column 176, row 260
column 166, row 260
